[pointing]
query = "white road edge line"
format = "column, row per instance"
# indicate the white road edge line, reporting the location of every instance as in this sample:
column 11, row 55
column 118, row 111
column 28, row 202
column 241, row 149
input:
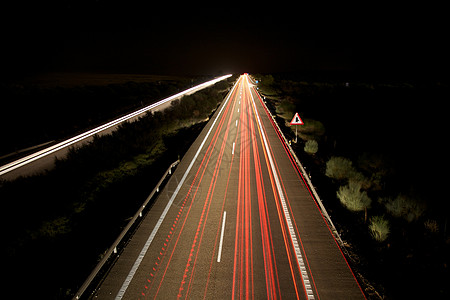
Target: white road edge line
column 304, row 274
column 219, row 255
column 166, row 209
column 47, row 151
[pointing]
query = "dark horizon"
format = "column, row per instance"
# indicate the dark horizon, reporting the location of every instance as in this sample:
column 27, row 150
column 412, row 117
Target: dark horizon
column 134, row 37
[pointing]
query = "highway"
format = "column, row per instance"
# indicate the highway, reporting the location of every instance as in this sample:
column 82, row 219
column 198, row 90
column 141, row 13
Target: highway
column 41, row 160
column 235, row 221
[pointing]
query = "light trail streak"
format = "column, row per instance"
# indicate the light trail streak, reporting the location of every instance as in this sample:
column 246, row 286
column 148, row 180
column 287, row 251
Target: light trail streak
column 225, row 196
column 243, row 250
column 293, row 220
column 138, row 261
column 321, row 210
column 313, row 195
column 206, row 208
column 201, row 169
column 270, row 268
column 52, row 149
column 292, row 234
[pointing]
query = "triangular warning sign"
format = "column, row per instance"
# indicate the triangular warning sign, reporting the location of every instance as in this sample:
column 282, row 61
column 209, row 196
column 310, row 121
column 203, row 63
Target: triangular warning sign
column 296, row 120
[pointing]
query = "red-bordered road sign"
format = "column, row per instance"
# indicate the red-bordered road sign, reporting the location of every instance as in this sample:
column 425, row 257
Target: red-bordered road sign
column 296, row 120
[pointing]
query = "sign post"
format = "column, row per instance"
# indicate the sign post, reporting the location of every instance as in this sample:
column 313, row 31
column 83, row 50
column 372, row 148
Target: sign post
column 296, row 121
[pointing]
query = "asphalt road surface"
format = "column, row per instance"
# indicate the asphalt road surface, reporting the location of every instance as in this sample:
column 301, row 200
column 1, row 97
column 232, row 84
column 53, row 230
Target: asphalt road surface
column 235, row 221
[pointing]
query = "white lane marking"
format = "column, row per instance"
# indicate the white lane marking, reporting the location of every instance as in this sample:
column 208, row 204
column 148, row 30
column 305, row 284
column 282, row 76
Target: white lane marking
column 219, row 256
column 236, row 122
column 166, row 209
column 232, row 151
column 305, row 277
column 35, row 156
column 238, row 109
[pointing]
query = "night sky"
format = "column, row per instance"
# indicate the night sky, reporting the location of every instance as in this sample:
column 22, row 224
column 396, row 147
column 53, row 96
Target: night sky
column 222, row 37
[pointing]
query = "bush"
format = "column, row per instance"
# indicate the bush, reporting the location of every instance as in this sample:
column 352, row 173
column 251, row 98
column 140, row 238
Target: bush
column 53, row 228
column 359, row 177
column 432, row 226
column 353, row 198
column 379, row 228
column 311, row 147
column 286, row 108
column 404, row 207
column 339, row 168
column 311, row 130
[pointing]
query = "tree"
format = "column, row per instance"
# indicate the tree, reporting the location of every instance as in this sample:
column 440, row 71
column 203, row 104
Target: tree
column 379, row 228
column 311, row 147
column 353, row 198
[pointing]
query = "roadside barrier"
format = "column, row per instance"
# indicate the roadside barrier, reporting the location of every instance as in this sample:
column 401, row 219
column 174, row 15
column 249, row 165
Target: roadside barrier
column 121, row 241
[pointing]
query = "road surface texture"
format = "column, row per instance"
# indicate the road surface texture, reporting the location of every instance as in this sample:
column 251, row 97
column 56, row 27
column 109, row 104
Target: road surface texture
column 235, row 221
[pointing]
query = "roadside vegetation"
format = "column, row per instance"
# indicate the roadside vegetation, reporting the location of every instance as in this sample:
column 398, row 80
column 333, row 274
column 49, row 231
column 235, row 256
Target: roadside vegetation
column 367, row 158
column 39, row 111
column 61, row 221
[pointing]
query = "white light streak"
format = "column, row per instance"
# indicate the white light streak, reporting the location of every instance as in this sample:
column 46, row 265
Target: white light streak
column 37, row 155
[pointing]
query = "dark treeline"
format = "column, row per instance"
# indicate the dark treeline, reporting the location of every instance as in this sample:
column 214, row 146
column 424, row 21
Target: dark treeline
column 60, row 222
column 33, row 114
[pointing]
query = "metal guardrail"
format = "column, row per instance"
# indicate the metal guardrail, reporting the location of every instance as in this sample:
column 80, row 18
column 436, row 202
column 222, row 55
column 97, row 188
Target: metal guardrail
column 113, row 249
